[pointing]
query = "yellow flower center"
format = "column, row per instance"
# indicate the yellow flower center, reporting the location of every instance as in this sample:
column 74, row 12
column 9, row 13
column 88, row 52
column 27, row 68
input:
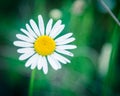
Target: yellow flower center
column 44, row 45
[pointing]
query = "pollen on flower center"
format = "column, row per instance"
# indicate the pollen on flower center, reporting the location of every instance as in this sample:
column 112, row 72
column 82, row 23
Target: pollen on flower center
column 44, row 45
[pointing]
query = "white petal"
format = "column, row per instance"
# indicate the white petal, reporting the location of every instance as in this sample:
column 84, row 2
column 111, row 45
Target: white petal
column 57, row 31
column 30, row 61
column 25, row 50
column 56, row 26
column 24, row 38
column 26, row 55
column 22, row 44
column 66, row 41
column 52, row 62
column 65, row 52
column 45, row 65
column 49, row 26
column 56, row 61
column 35, row 27
column 41, row 24
column 34, row 64
column 28, row 34
column 64, row 37
column 31, row 31
column 40, row 63
column 67, row 47
column 61, row 58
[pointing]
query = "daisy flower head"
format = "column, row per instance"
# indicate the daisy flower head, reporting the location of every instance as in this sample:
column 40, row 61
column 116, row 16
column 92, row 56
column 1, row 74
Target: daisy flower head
column 41, row 46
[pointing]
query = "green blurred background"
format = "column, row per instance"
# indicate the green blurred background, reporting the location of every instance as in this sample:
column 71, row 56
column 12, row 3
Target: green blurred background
column 95, row 67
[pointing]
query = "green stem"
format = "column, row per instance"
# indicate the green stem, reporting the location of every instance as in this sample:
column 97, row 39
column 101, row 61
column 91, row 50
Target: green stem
column 31, row 83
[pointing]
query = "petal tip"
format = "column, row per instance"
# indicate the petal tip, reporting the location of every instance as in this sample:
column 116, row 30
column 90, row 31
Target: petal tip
column 45, row 72
column 75, row 46
column 39, row 15
column 32, row 68
column 14, row 43
column 26, row 66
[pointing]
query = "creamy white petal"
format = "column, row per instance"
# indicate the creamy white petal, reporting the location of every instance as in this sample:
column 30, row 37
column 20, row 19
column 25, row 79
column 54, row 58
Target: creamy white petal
column 66, row 47
column 41, row 24
column 66, row 41
column 45, row 65
column 30, row 60
column 34, row 64
column 25, row 50
column 57, row 31
column 35, row 27
column 65, row 52
column 56, row 61
column 26, row 55
column 49, row 26
column 39, row 63
column 64, row 37
column 58, row 23
column 28, row 34
column 22, row 44
column 24, row 38
column 61, row 58
column 31, row 31
column 52, row 62
column 56, row 26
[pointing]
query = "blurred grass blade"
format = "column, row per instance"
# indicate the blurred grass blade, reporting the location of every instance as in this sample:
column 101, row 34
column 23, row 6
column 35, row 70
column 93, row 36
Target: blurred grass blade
column 110, row 12
column 111, row 77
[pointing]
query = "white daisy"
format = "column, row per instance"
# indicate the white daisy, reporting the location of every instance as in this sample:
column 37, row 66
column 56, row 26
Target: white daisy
column 43, row 46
